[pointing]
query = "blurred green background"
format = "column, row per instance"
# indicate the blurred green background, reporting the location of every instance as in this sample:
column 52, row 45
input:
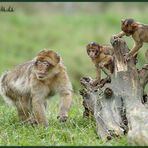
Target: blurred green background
column 66, row 27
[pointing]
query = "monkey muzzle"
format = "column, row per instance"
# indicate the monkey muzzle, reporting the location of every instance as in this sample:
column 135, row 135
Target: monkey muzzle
column 41, row 75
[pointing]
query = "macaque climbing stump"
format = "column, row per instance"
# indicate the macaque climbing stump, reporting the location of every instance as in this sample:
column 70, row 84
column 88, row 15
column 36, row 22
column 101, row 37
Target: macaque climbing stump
column 118, row 105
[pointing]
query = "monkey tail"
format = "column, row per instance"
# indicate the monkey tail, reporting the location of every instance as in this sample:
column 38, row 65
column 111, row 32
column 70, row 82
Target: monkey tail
column 2, row 78
column 2, row 90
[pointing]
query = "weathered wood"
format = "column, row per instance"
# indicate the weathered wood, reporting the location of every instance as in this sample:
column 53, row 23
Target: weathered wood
column 137, row 114
column 117, row 106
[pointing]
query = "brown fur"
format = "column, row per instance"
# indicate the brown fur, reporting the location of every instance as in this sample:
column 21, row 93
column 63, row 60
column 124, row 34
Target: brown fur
column 138, row 31
column 28, row 85
column 101, row 56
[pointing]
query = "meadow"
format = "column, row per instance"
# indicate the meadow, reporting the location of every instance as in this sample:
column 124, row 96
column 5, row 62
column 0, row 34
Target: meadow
column 22, row 35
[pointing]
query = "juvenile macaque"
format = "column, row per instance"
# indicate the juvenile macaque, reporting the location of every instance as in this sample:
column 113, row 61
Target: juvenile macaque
column 29, row 85
column 101, row 56
column 139, row 33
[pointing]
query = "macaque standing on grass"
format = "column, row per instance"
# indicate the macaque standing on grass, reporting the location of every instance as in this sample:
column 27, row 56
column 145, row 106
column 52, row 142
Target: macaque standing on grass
column 29, row 85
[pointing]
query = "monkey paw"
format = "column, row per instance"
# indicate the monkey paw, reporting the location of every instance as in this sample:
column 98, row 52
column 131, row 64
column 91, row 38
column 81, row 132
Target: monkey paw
column 115, row 37
column 62, row 118
column 101, row 65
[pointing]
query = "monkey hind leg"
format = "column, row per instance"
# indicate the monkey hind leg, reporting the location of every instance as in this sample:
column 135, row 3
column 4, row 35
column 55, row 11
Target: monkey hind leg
column 24, row 110
column 3, row 90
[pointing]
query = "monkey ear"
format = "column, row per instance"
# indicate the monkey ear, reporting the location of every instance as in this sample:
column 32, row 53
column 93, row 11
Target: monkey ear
column 134, row 26
column 42, row 51
column 55, row 57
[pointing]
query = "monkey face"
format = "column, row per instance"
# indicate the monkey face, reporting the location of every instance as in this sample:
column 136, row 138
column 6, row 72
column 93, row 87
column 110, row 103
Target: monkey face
column 42, row 68
column 45, row 64
column 128, row 26
column 93, row 50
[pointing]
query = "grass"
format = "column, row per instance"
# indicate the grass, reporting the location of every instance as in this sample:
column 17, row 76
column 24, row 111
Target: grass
column 77, row 131
column 23, row 35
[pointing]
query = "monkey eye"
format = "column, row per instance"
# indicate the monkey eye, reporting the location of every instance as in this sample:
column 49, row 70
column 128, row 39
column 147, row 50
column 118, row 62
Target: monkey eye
column 93, row 50
column 38, row 63
column 42, row 62
column 88, row 51
column 46, row 63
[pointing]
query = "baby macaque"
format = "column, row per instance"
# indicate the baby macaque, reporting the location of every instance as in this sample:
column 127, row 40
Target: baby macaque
column 29, row 85
column 101, row 56
column 139, row 33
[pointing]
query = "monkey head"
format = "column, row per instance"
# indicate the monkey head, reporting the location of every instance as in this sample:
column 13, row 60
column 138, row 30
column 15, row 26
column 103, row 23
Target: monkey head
column 45, row 63
column 129, row 26
column 93, row 50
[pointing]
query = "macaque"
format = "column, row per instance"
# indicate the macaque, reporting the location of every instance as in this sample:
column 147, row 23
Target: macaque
column 139, row 33
column 29, row 85
column 101, row 56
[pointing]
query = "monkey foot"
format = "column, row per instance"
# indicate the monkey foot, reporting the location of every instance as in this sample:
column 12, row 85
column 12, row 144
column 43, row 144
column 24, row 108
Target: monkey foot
column 62, row 118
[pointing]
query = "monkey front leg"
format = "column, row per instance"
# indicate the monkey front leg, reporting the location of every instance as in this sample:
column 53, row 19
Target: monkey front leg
column 99, row 67
column 24, row 109
column 65, row 103
column 120, row 34
column 106, row 72
column 39, row 111
column 106, row 64
column 98, row 76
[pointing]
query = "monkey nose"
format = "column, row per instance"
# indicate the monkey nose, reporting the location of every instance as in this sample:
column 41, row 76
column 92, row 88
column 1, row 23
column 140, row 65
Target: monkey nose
column 41, row 77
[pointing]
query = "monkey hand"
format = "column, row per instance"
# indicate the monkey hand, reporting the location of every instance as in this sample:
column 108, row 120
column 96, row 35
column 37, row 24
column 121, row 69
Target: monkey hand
column 115, row 36
column 100, row 65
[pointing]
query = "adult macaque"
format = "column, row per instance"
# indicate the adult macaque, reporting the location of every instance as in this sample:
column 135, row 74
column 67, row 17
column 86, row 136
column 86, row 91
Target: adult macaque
column 138, row 31
column 29, row 85
column 101, row 56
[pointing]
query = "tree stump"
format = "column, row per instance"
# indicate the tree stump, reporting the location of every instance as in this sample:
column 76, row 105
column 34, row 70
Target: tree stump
column 119, row 106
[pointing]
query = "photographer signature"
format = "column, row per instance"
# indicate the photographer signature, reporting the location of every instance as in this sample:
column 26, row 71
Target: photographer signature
column 6, row 9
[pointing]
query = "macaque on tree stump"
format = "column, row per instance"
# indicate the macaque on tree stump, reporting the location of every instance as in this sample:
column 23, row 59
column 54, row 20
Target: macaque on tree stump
column 117, row 106
column 102, row 57
column 139, row 33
